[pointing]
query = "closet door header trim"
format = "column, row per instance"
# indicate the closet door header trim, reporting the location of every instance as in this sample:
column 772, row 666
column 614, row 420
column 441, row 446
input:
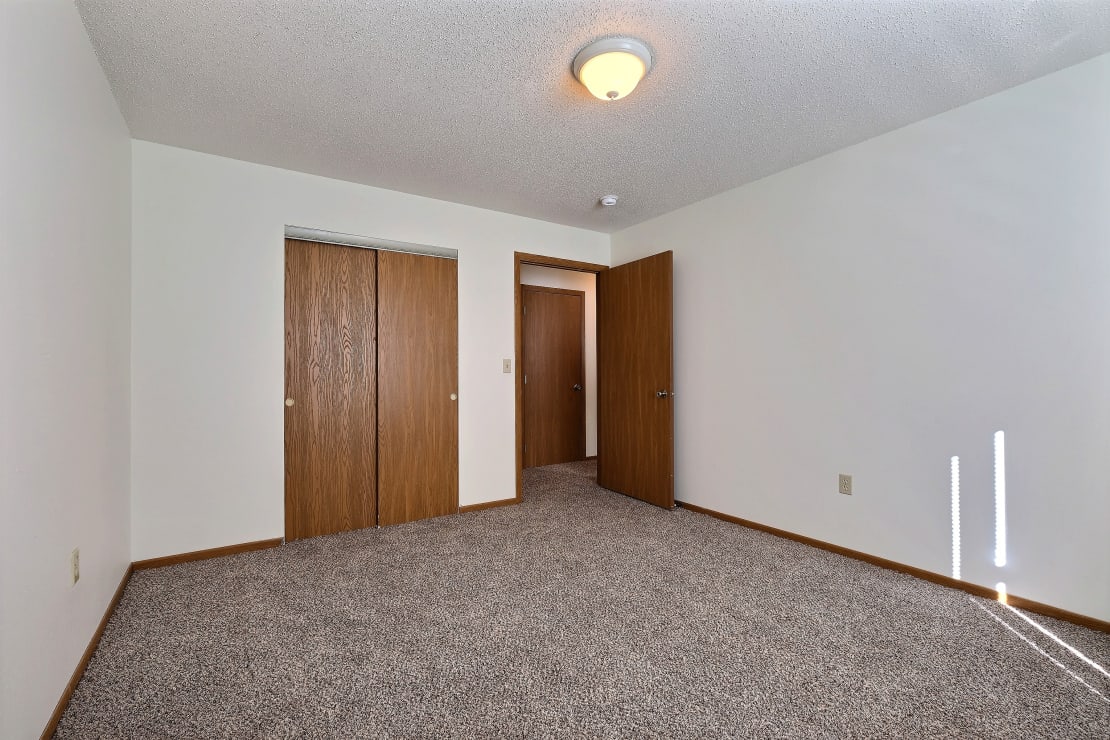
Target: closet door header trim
column 367, row 242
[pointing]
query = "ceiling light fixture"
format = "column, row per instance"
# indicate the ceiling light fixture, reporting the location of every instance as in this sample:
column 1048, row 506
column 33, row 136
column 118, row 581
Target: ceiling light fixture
column 611, row 68
column 608, row 200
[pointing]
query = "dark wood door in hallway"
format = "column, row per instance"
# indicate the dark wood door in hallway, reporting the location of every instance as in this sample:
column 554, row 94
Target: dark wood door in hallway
column 554, row 366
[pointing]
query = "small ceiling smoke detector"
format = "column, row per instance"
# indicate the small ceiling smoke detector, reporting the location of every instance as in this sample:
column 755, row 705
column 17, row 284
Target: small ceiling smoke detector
column 611, row 68
column 608, row 200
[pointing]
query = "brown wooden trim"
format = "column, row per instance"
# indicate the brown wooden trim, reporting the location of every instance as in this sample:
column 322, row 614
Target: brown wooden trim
column 488, row 505
column 529, row 288
column 590, row 457
column 1055, row 612
column 926, row 575
column 215, row 552
column 82, row 664
column 523, row 258
column 518, row 333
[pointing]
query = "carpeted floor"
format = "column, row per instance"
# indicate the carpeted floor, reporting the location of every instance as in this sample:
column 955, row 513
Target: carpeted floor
column 579, row 613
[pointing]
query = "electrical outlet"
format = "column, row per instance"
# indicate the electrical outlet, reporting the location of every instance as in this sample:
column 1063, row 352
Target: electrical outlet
column 75, row 566
column 506, row 366
column 846, row 484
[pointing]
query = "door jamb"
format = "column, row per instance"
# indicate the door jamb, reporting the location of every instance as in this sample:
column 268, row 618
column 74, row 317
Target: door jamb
column 523, row 258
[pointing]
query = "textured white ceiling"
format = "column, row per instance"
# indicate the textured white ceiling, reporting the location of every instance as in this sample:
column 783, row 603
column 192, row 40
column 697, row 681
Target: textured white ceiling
column 474, row 101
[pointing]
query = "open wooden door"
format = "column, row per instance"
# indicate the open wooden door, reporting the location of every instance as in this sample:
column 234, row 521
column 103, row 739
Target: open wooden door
column 635, row 425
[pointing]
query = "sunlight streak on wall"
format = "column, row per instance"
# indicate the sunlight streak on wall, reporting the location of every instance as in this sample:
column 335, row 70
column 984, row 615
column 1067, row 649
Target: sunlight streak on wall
column 999, row 499
column 956, row 517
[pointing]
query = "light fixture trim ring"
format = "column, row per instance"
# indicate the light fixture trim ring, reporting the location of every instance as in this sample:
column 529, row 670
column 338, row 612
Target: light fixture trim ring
column 614, row 43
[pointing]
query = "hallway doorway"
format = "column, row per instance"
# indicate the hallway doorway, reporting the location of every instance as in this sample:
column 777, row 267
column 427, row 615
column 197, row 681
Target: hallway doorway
column 558, row 365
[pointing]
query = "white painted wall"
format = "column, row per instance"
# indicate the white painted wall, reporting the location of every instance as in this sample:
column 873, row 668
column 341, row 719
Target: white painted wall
column 882, row 308
column 64, row 240
column 551, row 277
column 207, row 365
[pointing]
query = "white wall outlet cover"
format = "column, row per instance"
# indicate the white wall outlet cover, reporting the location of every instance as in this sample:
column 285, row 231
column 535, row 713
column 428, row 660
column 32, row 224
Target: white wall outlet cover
column 846, row 484
column 75, row 566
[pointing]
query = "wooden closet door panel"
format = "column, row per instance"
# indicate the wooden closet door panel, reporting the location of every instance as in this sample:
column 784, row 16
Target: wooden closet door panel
column 418, row 361
column 330, row 377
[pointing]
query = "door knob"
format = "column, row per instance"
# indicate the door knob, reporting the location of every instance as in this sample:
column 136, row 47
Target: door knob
column 454, row 397
column 289, row 402
column 577, row 387
column 661, row 394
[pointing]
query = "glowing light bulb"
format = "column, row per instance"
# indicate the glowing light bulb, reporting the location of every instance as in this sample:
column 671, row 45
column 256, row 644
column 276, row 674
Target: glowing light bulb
column 612, row 68
column 612, row 76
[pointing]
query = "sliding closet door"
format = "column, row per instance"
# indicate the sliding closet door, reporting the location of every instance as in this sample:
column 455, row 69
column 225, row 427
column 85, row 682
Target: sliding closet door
column 418, row 411
column 330, row 397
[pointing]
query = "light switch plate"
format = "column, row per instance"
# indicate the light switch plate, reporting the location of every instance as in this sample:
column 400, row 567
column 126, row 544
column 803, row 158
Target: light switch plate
column 506, row 366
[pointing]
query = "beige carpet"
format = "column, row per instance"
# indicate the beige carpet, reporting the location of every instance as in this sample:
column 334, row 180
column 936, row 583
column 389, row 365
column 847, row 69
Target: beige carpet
column 580, row 613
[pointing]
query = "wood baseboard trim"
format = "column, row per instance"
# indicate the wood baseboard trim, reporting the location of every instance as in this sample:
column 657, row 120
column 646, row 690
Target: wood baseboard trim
column 489, row 505
column 67, row 694
column 215, row 552
column 1037, row 607
column 591, row 457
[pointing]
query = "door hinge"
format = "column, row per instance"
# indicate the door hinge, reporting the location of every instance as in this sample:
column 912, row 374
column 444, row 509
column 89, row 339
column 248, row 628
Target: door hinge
column 525, row 380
